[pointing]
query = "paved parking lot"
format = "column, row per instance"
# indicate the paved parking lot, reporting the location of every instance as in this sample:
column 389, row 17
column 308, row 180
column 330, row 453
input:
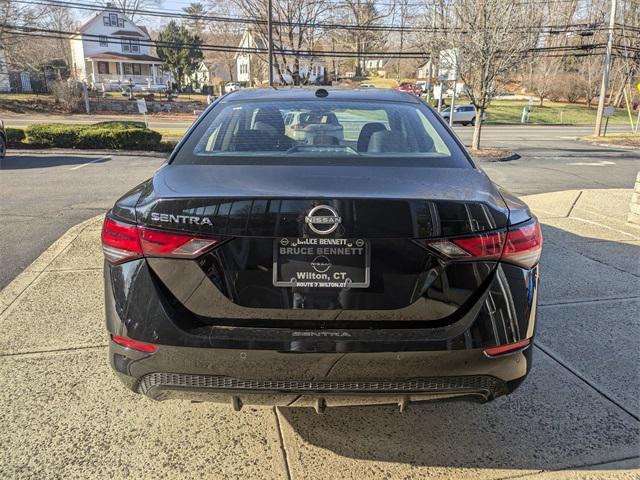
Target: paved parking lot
column 64, row 415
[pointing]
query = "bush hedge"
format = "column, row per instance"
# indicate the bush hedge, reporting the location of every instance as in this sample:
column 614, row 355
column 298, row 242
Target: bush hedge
column 108, row 135
column 15, row 136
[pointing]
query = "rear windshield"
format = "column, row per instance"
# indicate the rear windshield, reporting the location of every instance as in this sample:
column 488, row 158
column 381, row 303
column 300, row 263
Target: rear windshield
column 322, row 128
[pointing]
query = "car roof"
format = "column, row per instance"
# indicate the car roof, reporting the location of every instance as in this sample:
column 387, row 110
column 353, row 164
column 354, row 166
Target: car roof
column 309, row 93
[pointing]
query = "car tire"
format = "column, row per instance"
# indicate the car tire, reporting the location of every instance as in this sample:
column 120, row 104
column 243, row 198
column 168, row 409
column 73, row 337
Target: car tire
column 3, row 147
column 464, row 124
column 473, row 121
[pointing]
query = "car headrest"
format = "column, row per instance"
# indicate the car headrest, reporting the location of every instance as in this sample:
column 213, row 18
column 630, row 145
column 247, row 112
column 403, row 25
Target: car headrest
column 252, row 140
column 271, row 117
column 265, row 127
column 387, row 142
column 365, row 135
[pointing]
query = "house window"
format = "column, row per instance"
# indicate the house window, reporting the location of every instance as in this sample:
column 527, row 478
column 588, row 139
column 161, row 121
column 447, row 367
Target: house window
column 106, row 22
column 113, row 19
column 104, row 42
column 132, row 46
column 244, row 68
column 103, row 68
column 121, row 22
column 132, row 69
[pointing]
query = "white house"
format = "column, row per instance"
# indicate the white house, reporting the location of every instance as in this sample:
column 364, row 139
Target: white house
column 199, row 78
column 4, row 73
column 109, row 50
column 424, row 70
column 252, row 68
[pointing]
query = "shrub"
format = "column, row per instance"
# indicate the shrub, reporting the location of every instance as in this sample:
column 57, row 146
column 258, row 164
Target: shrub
column 52, row 135
column 119, row 138
column 15, row 136
column 120, row 124
column 109, row 135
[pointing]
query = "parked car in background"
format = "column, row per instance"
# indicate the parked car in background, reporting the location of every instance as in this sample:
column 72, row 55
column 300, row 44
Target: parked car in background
column 421, row 86
column 408, row 87
column 464, row 114
column 312, row 127
column 232, row 87
column 366, row 85
column 3, row 140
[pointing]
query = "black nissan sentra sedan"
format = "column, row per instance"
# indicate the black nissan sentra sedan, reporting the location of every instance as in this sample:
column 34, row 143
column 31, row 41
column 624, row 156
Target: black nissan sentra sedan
column 312, row 247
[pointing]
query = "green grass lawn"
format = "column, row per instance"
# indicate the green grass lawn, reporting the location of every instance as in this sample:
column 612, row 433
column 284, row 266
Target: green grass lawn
column 171, row 134
column 510, row 111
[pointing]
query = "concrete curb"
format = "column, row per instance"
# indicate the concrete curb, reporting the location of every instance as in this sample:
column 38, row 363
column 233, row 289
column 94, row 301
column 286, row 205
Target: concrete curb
column 18, row 285
column 508, row 158
column 634, row 205
column 609, row 145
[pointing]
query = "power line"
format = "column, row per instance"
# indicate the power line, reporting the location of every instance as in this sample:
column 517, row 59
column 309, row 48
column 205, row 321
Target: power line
column 568, row 50
column 563, row 28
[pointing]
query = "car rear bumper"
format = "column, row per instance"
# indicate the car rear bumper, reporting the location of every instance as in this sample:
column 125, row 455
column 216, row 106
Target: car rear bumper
column 258, row 377
column 398, row 363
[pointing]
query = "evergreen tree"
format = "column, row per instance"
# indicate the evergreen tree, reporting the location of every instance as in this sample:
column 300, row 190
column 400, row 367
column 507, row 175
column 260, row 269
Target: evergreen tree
column 182, row 53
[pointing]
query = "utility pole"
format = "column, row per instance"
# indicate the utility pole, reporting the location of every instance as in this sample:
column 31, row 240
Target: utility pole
column 605, row 71
column 431, row 59
column 453, row 95
column 270, row 40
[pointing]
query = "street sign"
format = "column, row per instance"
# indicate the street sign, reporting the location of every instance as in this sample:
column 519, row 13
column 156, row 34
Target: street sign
column 142, row 108
column 609, row 110
column 142, row 105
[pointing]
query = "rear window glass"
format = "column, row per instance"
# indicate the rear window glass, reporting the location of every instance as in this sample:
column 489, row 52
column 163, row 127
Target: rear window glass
column 320, row 129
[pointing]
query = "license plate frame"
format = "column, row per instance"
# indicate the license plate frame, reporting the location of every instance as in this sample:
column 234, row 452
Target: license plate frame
column 346, row 263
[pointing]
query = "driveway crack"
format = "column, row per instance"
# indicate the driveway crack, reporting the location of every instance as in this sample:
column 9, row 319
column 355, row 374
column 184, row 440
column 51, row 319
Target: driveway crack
column 548, row 352
column 283, row 448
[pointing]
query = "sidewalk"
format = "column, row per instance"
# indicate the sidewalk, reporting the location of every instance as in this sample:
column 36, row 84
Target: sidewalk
column 577, row 416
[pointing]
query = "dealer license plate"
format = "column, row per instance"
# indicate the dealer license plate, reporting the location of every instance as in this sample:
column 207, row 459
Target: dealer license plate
column 321, row 262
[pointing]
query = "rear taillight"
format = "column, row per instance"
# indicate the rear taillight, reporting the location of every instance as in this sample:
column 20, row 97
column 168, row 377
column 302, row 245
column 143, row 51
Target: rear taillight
column 520, row 245
column 485, row 247
column 524, row 245
column 134, row 344
column 508, row 348
column 122, row 242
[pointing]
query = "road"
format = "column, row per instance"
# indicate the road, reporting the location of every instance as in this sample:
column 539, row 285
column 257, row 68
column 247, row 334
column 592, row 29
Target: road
column 44, row 195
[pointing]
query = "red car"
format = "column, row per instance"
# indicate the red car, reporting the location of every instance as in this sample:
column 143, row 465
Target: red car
column 408, row 87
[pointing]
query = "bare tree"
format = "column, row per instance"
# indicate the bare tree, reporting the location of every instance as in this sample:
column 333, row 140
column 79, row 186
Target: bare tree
column 35, row 53
column 489, row 40
column 365, row 14
column 197, row 23
column 294, row 32
column 223, row 33
column 547, row 69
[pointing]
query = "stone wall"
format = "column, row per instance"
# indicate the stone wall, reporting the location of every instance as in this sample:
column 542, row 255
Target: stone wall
column 129, row 106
